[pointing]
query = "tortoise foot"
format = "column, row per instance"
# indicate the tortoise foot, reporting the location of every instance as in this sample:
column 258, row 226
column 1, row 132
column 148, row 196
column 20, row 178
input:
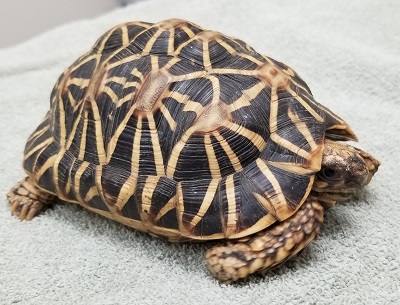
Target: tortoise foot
column 27, row 200
column 271, row 247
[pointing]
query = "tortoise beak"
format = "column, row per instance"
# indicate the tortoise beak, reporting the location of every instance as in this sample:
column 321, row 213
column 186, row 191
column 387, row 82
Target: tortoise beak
column 371, row 163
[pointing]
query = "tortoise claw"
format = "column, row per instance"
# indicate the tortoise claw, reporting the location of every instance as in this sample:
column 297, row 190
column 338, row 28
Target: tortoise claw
column 24, row 211
column 32, row 213
column 28, row 200
column 14, row 207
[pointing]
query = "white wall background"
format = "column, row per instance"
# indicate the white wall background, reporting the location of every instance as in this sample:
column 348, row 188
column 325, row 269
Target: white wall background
column 21, row 20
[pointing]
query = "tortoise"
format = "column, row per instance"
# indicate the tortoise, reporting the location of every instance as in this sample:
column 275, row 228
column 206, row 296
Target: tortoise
column 190, row 135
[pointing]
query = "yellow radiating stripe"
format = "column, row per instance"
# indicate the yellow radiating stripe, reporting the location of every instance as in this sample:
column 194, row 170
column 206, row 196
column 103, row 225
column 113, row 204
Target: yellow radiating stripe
column 123, row 61
column 74, row 129
column 167, row 115
column 154, row 64
column 273, row 114
column 268, row 59
column 188, row 31
column 207, row 200
column 151, row 41
column 265, row 203
column 188, row 76
column 62, row 122
column 147, row 196
column 261, row 224
column 125, row 36
column 77, row 180
column 126, row 98
column 171, row 62
column 176, row 151
column 35, row 162
column 56, row 176
column 254, row 91
column 302, row 127
column 49, row 163
column 277, row 200
column 290, row 71
column 252, row 59
column 216, row 89
column 232, row 209
column 37, row 147
column 235, row 162
column 158, row 159
column 126, row 191
column 82, row 147
column 117, row 79
column 136, row 148
column 212, row 158
column 82, row 83
column 38, row 133
column 247, row 96
column 180, row 207
column 226, row 46
column 131, row 84
column 138, row 74
column 289, row 145
column 186, row 43
column 252, row 136
column 98, row 175
column 113, row 96
column 69, row 180
column 171, row 41
column 179, row 97
column 101, row 153
column 234, row 71
column 305, row 105
column 72, row 101
column 206, row 55
column 92, row 192
column 241, row 102
column 170, row 205
column 193, row 106
column 123, row 81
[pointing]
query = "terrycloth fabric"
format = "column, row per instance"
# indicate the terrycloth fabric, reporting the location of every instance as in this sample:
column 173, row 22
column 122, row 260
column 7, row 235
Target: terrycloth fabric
column 347, row 51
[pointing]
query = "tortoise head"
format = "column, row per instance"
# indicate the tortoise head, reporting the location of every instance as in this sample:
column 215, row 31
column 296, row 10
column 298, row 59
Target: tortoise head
column 344, row 171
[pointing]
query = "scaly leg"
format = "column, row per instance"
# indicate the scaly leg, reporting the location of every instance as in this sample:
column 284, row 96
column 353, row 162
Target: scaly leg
column 268, row 248
column 28, row 200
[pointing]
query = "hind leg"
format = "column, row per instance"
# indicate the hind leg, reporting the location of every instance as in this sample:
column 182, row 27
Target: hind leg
column 268, row 248
column 28, row 200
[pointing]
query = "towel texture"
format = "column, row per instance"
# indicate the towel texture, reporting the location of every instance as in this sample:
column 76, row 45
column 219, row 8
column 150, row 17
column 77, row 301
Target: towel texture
column 349, row 54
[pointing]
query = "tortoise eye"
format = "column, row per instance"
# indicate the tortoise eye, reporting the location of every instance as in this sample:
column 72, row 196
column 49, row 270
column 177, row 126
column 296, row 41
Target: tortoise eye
column 328, row 174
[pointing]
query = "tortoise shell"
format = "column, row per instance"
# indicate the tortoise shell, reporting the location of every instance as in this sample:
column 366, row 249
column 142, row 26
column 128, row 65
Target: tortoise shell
column 181, row 132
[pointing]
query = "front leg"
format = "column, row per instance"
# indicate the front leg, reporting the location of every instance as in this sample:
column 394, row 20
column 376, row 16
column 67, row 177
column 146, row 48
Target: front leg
column 28, row 200
column 268, row 248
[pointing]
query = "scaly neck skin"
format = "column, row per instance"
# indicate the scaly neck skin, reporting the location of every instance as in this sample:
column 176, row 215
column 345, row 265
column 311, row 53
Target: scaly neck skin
column 345, row 170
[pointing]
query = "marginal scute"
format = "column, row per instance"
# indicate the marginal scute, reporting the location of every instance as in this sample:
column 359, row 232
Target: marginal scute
column 182, row 132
